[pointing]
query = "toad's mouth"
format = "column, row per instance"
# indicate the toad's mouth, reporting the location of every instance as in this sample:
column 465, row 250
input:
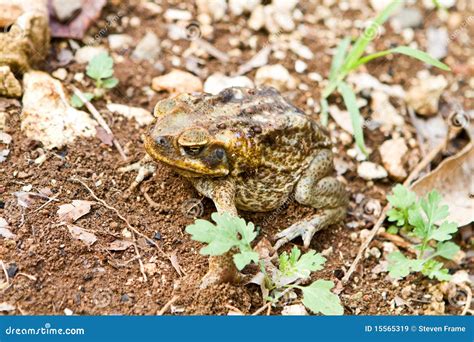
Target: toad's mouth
column 185, row 166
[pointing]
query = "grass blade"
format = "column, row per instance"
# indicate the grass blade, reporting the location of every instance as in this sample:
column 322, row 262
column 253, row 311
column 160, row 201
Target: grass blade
column 351, row 104
column 324, row 111
column 364, row 39
column 339, row 57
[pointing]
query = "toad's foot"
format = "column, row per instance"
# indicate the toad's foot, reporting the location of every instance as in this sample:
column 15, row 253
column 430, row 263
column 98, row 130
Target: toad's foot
column 221, row 270
column 306, row 229
column 145, row 168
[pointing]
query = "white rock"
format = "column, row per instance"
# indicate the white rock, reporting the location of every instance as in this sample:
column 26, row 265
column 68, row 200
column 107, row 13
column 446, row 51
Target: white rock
column 177, row 81
column 429, row 4
column 424, row 94
column 384, row 113
column 140, row 115
column 368, row 171
column 68, row 312
column 148, row 48
column 257, row 18
column 294, row 310
column 342, row 118
column 275, row 75
column 119, row 41
column 379, row 5
column 301, row 50
column 60, row 74
column 86, row 53
column 365, row 81
column 392, row 152
column 300, row 66
column 214, row 8
column 46, row 114
column 314, row 76
column 65, row 9
column 237, row 7
column 176, row 14
column 218, row 82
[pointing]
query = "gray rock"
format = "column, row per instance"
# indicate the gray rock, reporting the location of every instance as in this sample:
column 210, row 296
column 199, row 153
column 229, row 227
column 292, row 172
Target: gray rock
column 86, row 53
column 438, row 42
column 148, row 48
column 66, row 9
column 119, row 41
column 407, row 17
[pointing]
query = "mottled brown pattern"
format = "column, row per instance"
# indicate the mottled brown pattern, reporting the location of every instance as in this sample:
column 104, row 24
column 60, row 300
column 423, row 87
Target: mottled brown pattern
column 249, row 149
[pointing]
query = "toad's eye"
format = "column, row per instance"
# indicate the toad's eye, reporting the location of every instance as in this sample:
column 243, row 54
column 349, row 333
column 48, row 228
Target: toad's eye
column 220, row 153
column 193, row 150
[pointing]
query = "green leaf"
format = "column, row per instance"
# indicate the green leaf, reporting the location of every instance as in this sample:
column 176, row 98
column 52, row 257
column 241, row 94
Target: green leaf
column 339, row 57
column 447, row 250
column 319, row 299
column 110, row 83
column 402, row 198
column 364, row 39
column 444, row 231
column 100, row 67
column 244, row 258
column 434, row 269
column 300, row 267
column 392, row 230
column 324, row 111
column 76, row 102
column 399, row 266
column 421, row 56
column 351, row 104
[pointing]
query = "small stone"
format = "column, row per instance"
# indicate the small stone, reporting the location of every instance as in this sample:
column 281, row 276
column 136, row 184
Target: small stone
column 172, row 14
column 12, row 270
column 9, row 85
column 218, row 82
column 368, row 171
column 214, row 8
column 392, row 152
column 119, row 41
column 86, row 53
column 140, row 115
column 135, row 21
column 301, row 50
column 66, row 9
column 424, row 94
column 438, row 40
column 407, row 17
column 294, row 310
column 257, row 18
column 148, row 48
column 157, row 236
column 68, row 312
column 300, row 66
column 384, row 113
column 379, row 5
column 124, row 298
column 314, row 76
column 275, row 75
column 60, row 74
column 177, row 81
column 237, row 7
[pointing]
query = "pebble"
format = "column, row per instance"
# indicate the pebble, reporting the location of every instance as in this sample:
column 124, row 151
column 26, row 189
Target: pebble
column 275, row 75
column 68, row 312
column 237, row 7
column 60, row 74
column 257, row 18
column 301, row 50
column 384, row 113
column 119, row 41
column 314, row 76
column 86, row 53
column 176, row 14
column 66, row 9
column 140, row 115
column 423, row 96
column 218, row 82
column 294, row 310
column 368, row 171
column 177, row 81
column 148, row 48
column 438, row 40
column 300, row 66
column 379, row 5
column 214, row 8
column 393, row 152
column 157, row 236
column 407, row 17
column 12, row 270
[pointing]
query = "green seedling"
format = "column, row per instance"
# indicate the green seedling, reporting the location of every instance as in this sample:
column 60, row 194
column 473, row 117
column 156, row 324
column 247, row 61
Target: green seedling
column 233, row 233
column 425, row 220
column 350, row 57
column 101, row 70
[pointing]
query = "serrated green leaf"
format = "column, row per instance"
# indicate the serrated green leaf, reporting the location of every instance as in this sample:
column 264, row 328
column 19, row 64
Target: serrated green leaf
column 402, row 198
column 416, row 220
column 351, row 104
column 244, row 258
column 110, row 83
column 447, row 250
column 399, row 266
column 319, row 299
column 434, row 269
column 300, row 267
column 100, row 67
column 76, row 102
column 444, row 231
column 392, row 230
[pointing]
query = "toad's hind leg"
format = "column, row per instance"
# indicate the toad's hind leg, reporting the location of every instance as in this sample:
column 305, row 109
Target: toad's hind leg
column 317, row 189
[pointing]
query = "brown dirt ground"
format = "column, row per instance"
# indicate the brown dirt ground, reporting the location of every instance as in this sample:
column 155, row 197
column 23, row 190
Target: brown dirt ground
column 92, row 280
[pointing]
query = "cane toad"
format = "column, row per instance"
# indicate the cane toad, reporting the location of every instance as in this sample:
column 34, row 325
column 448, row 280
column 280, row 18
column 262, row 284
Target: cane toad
column 249, row 149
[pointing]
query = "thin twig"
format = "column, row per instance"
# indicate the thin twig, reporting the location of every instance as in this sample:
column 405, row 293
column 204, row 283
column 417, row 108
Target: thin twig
column 167, row 306
column 468, row 299
column 51, row 199
column 95, row 113
column 413, row 175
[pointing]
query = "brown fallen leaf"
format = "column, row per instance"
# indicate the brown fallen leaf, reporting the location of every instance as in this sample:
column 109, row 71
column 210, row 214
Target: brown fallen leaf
column 175, row 263
column 5, row 232
column 82, row 234
column 119, row 245
column 453, row 179
column 105, row 137
column 73, row 211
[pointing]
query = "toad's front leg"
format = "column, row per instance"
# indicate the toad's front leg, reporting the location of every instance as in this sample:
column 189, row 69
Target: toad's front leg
column 221, row 268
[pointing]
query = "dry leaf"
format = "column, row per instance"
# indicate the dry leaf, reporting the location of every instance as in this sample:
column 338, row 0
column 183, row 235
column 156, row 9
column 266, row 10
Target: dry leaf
column 105, row 137
column 453, row 179
column 24, row 199
column 82, row 234
column 5, row 232
column 175, row 263
column 119, row 245
column 73, row 211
